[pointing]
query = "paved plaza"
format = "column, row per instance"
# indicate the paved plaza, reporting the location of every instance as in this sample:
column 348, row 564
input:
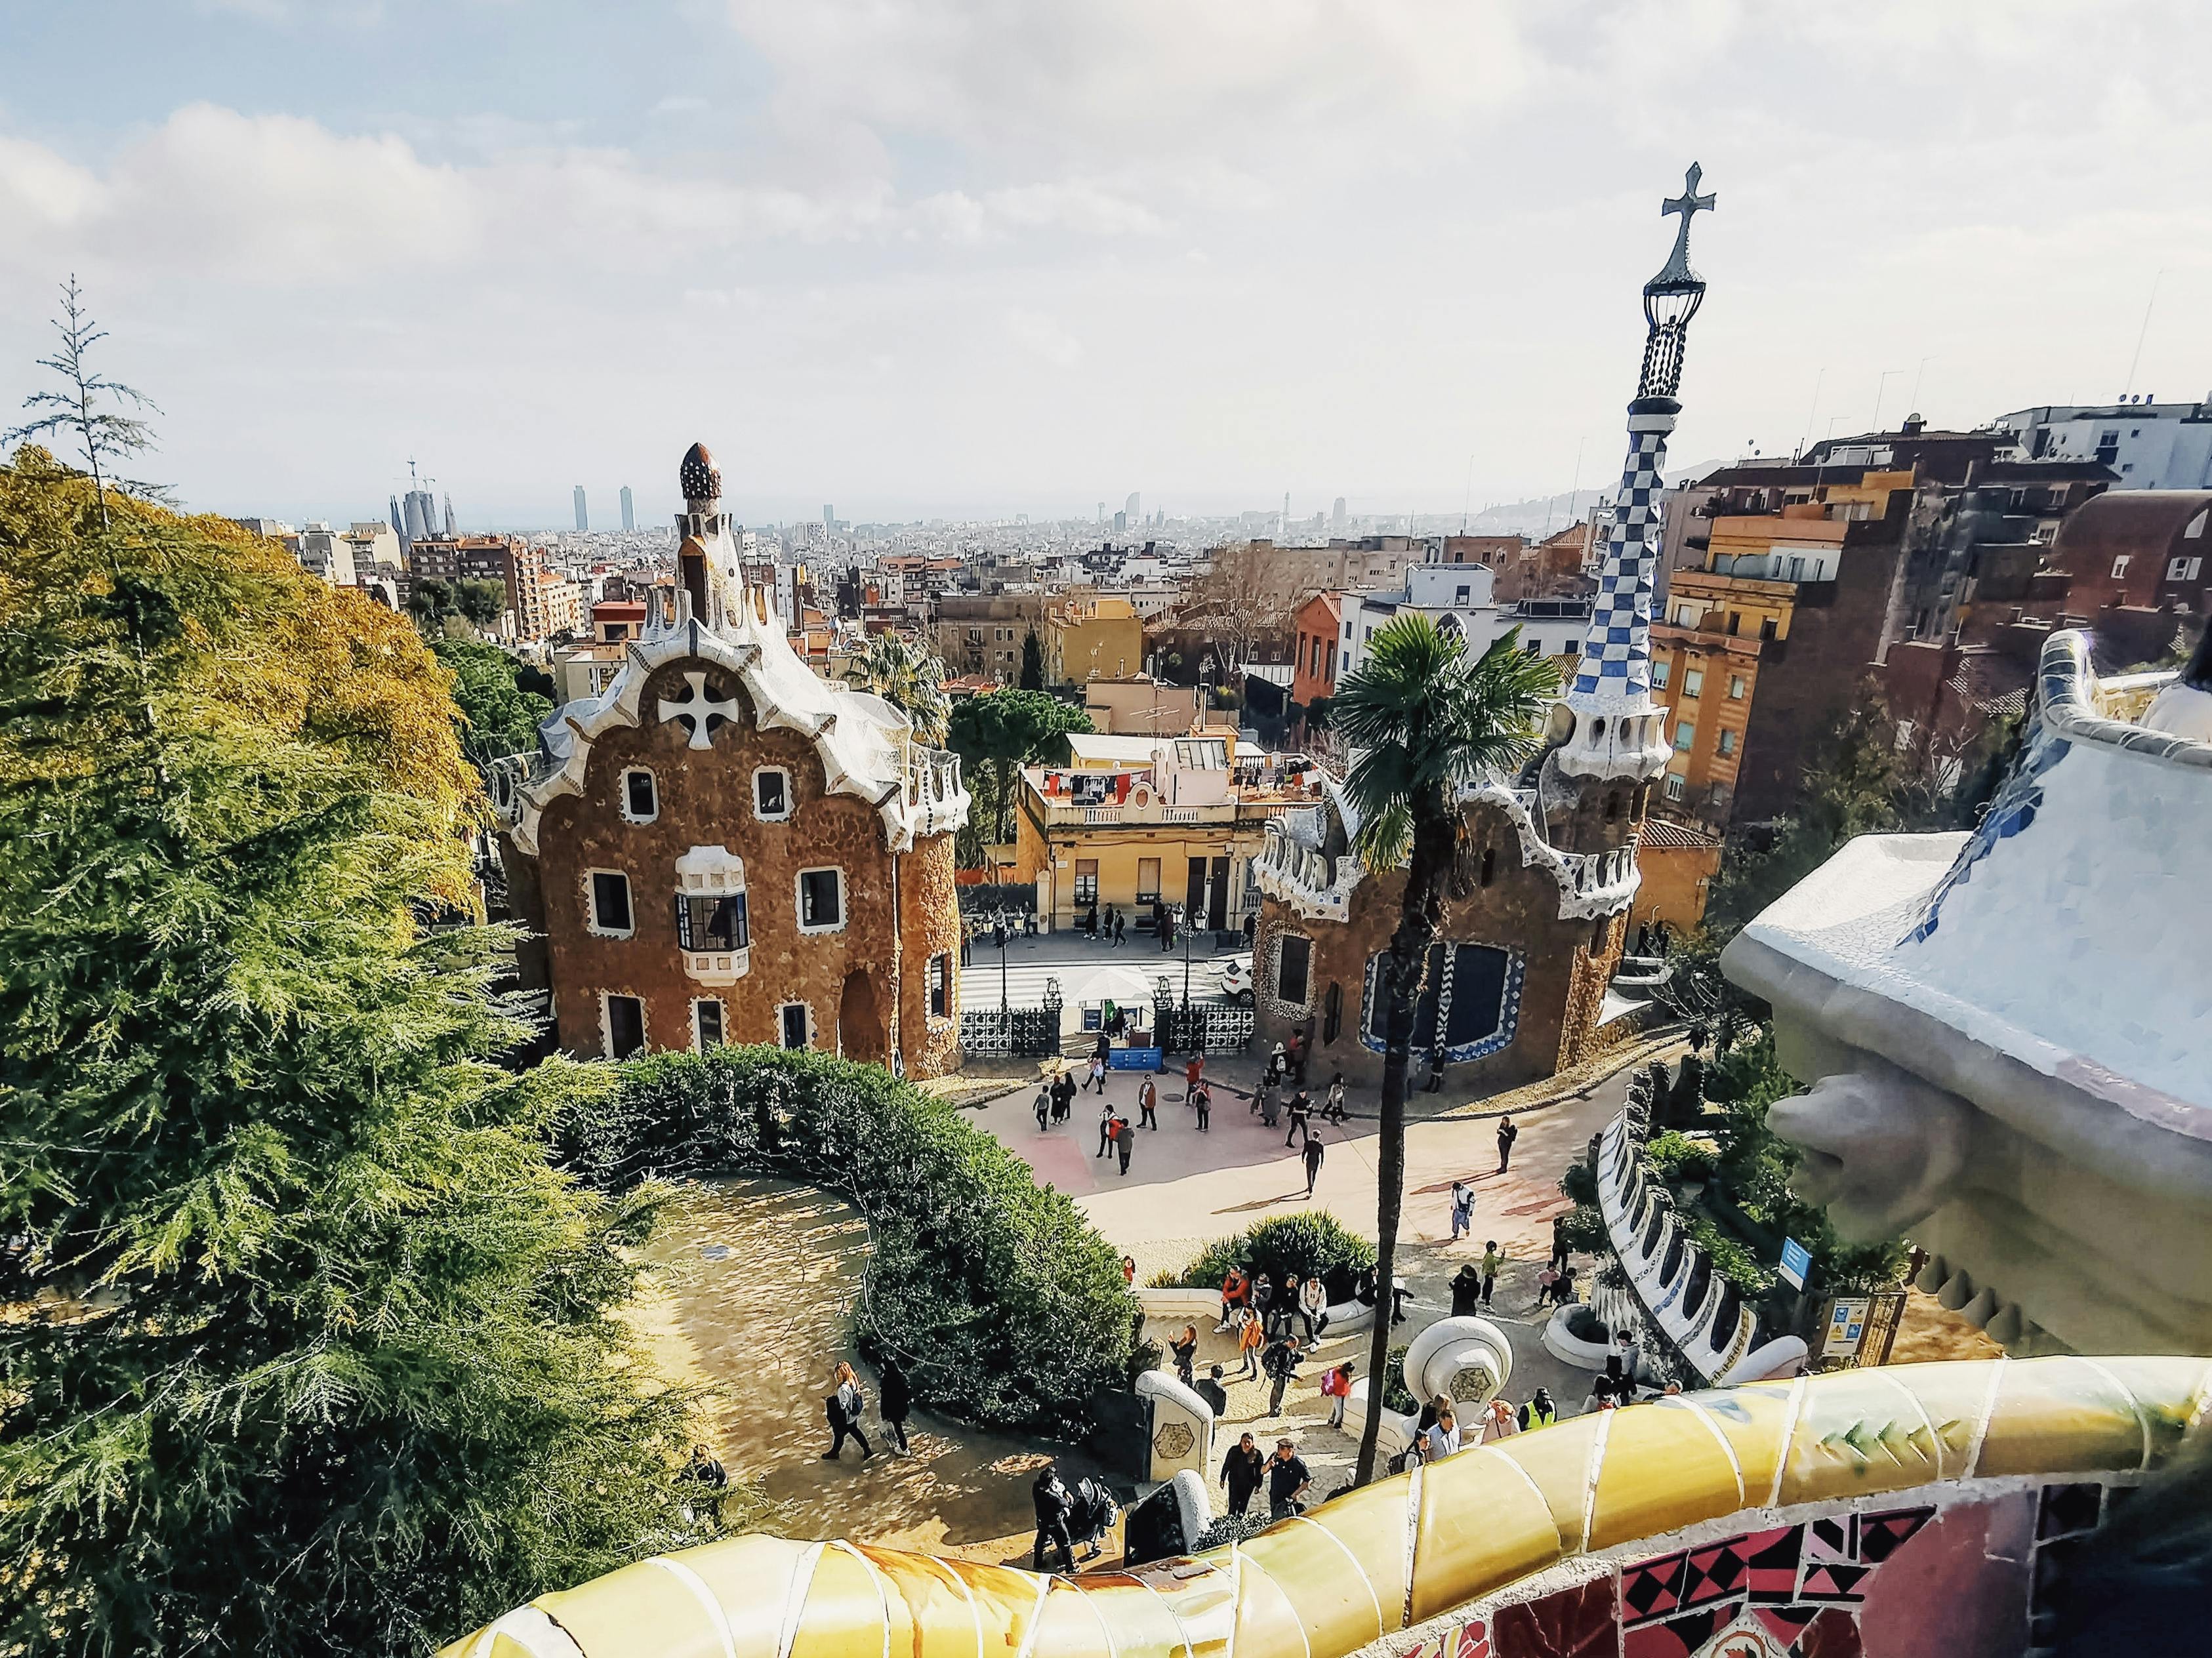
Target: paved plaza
column 1185, row 1188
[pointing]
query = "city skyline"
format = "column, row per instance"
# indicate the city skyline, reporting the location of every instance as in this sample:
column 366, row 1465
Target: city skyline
column 934, row 265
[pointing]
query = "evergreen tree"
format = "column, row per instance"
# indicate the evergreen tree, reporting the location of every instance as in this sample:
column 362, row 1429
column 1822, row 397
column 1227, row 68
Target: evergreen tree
column 307, row 1347
column 497, row 714
column 1032, row 662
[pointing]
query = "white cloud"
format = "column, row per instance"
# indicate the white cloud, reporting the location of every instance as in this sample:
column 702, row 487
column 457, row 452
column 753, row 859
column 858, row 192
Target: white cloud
column 1043, row 337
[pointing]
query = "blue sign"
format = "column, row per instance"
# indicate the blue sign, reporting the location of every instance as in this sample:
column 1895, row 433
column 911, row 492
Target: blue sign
column 1796, row 1261
column 1134, row 1059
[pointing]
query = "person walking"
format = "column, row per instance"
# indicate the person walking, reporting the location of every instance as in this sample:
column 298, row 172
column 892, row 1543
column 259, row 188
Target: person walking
column 1288, row 1478
column 1242, row 1472
column 1301, row 1109
column 1507, row 1133
column 1251, row 928
column 1053, row 1506
column 1465, row 1290
column 894, row 1400
column 1332, row 1104
column 1185, row 1349
column 1442, row 1438
column 1313, row 1154
column 1462, row 1210
column 1313, row 1296
column 1120, row 930
column 1098, row 1069
column 843, row 1407
column 1201, row 1099
column 1043, row 1107
column 1211, row 1391
column 1148, row 1100
column 1336, row 1387
column 1063, row 1096
column 1251, row 1337
column 1281, row 1366
column 1124, row 1142
column 1493, row 1262
column 1105, row 1127
column 1538, row 1411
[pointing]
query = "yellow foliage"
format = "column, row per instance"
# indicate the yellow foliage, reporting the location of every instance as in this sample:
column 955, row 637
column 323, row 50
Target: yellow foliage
column 281, row 656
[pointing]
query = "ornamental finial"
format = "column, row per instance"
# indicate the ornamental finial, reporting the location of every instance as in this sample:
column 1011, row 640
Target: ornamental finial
column 1677, row 272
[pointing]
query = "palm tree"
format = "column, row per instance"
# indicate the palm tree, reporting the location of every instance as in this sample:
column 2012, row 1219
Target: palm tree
column 1424, row 721
column 907, row 674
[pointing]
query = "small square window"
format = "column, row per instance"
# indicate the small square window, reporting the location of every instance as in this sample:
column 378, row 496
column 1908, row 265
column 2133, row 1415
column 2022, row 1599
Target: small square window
column 1086, row 883
column 1735, row 688
column 641, row 800
column 2120, row 567
column 2184, row 569
column 792, row 1022
column 706, row 1023
column 1661, row 672
column 610, row 911
column 820, row 900
column 772, row 793
column 1675, row 787
column 940, row 987
column 1725, row 743
column 1685, row 734
column 1693, row 682
column 625, row 1026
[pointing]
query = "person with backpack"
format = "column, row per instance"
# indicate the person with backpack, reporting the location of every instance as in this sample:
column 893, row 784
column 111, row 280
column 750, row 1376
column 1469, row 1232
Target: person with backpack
column 843, row 1407
column 1054, row 1506
column 1281, row 1366
column 1336, row 1387
column 895, row 1402
column 1201, row 1097
column 1462, row 1210
column 1211, row 1391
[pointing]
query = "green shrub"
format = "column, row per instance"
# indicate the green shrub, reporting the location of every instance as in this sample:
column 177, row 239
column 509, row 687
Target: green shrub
column 1004, row 1304
column 1311, row 1241
column 1580, row 1182
column 1583, row 1231
column 1584, row 1325
column 1674, row 1158
column 1398, row 1396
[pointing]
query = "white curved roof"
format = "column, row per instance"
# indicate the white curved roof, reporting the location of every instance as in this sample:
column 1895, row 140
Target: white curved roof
column 865, row 745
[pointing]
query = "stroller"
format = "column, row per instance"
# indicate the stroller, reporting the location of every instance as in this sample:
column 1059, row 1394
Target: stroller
column 1094, row 1514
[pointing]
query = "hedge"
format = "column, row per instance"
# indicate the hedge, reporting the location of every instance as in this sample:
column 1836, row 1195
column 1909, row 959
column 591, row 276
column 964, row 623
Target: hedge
column 1311, row 1241
column 1006, row 1306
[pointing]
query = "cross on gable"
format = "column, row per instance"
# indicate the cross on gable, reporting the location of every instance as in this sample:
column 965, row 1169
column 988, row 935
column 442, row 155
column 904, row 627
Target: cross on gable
column 699, row 711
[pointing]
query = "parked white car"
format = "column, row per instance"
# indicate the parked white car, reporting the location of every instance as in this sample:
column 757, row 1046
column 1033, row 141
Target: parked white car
column 1237, row 979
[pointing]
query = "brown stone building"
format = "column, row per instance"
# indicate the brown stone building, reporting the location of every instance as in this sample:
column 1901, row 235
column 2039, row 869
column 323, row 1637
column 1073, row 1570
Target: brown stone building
column 722, row 847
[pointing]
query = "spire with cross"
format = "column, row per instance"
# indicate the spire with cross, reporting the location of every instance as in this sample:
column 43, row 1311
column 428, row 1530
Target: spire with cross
column 1616, row 723
column 1677, row 273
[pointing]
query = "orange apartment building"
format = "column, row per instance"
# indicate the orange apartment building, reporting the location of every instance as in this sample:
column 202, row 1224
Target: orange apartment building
column 1315, row 628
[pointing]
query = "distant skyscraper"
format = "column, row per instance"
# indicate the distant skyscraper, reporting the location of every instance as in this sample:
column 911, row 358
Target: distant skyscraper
column 829, row 518
column 583, row 516
column 630, row 511
column 1285, row 532
column 1336, row 515
column 419, row 515
column 1133, row 506
column 398, row 524
column 450, row 530
column 1120, row 523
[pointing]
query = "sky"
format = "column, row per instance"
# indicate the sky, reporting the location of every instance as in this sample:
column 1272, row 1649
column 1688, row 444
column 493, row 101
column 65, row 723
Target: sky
column 982, row 257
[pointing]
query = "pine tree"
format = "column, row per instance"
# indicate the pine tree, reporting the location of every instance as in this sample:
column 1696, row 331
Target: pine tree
column 307, row 1347
column 1032, row 662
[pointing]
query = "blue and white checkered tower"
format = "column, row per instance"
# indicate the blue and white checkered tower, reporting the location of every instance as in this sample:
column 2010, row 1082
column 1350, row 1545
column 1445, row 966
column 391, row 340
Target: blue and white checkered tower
column 1615, row 729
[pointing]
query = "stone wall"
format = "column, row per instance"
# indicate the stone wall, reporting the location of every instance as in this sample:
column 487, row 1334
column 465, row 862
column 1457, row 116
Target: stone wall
column 846, row 978
column 1552, row 995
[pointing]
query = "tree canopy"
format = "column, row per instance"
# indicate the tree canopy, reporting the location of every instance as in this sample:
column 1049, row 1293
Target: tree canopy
column 305, row 1345
column 996, row 734
column 905, row 672
column 498, row 714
